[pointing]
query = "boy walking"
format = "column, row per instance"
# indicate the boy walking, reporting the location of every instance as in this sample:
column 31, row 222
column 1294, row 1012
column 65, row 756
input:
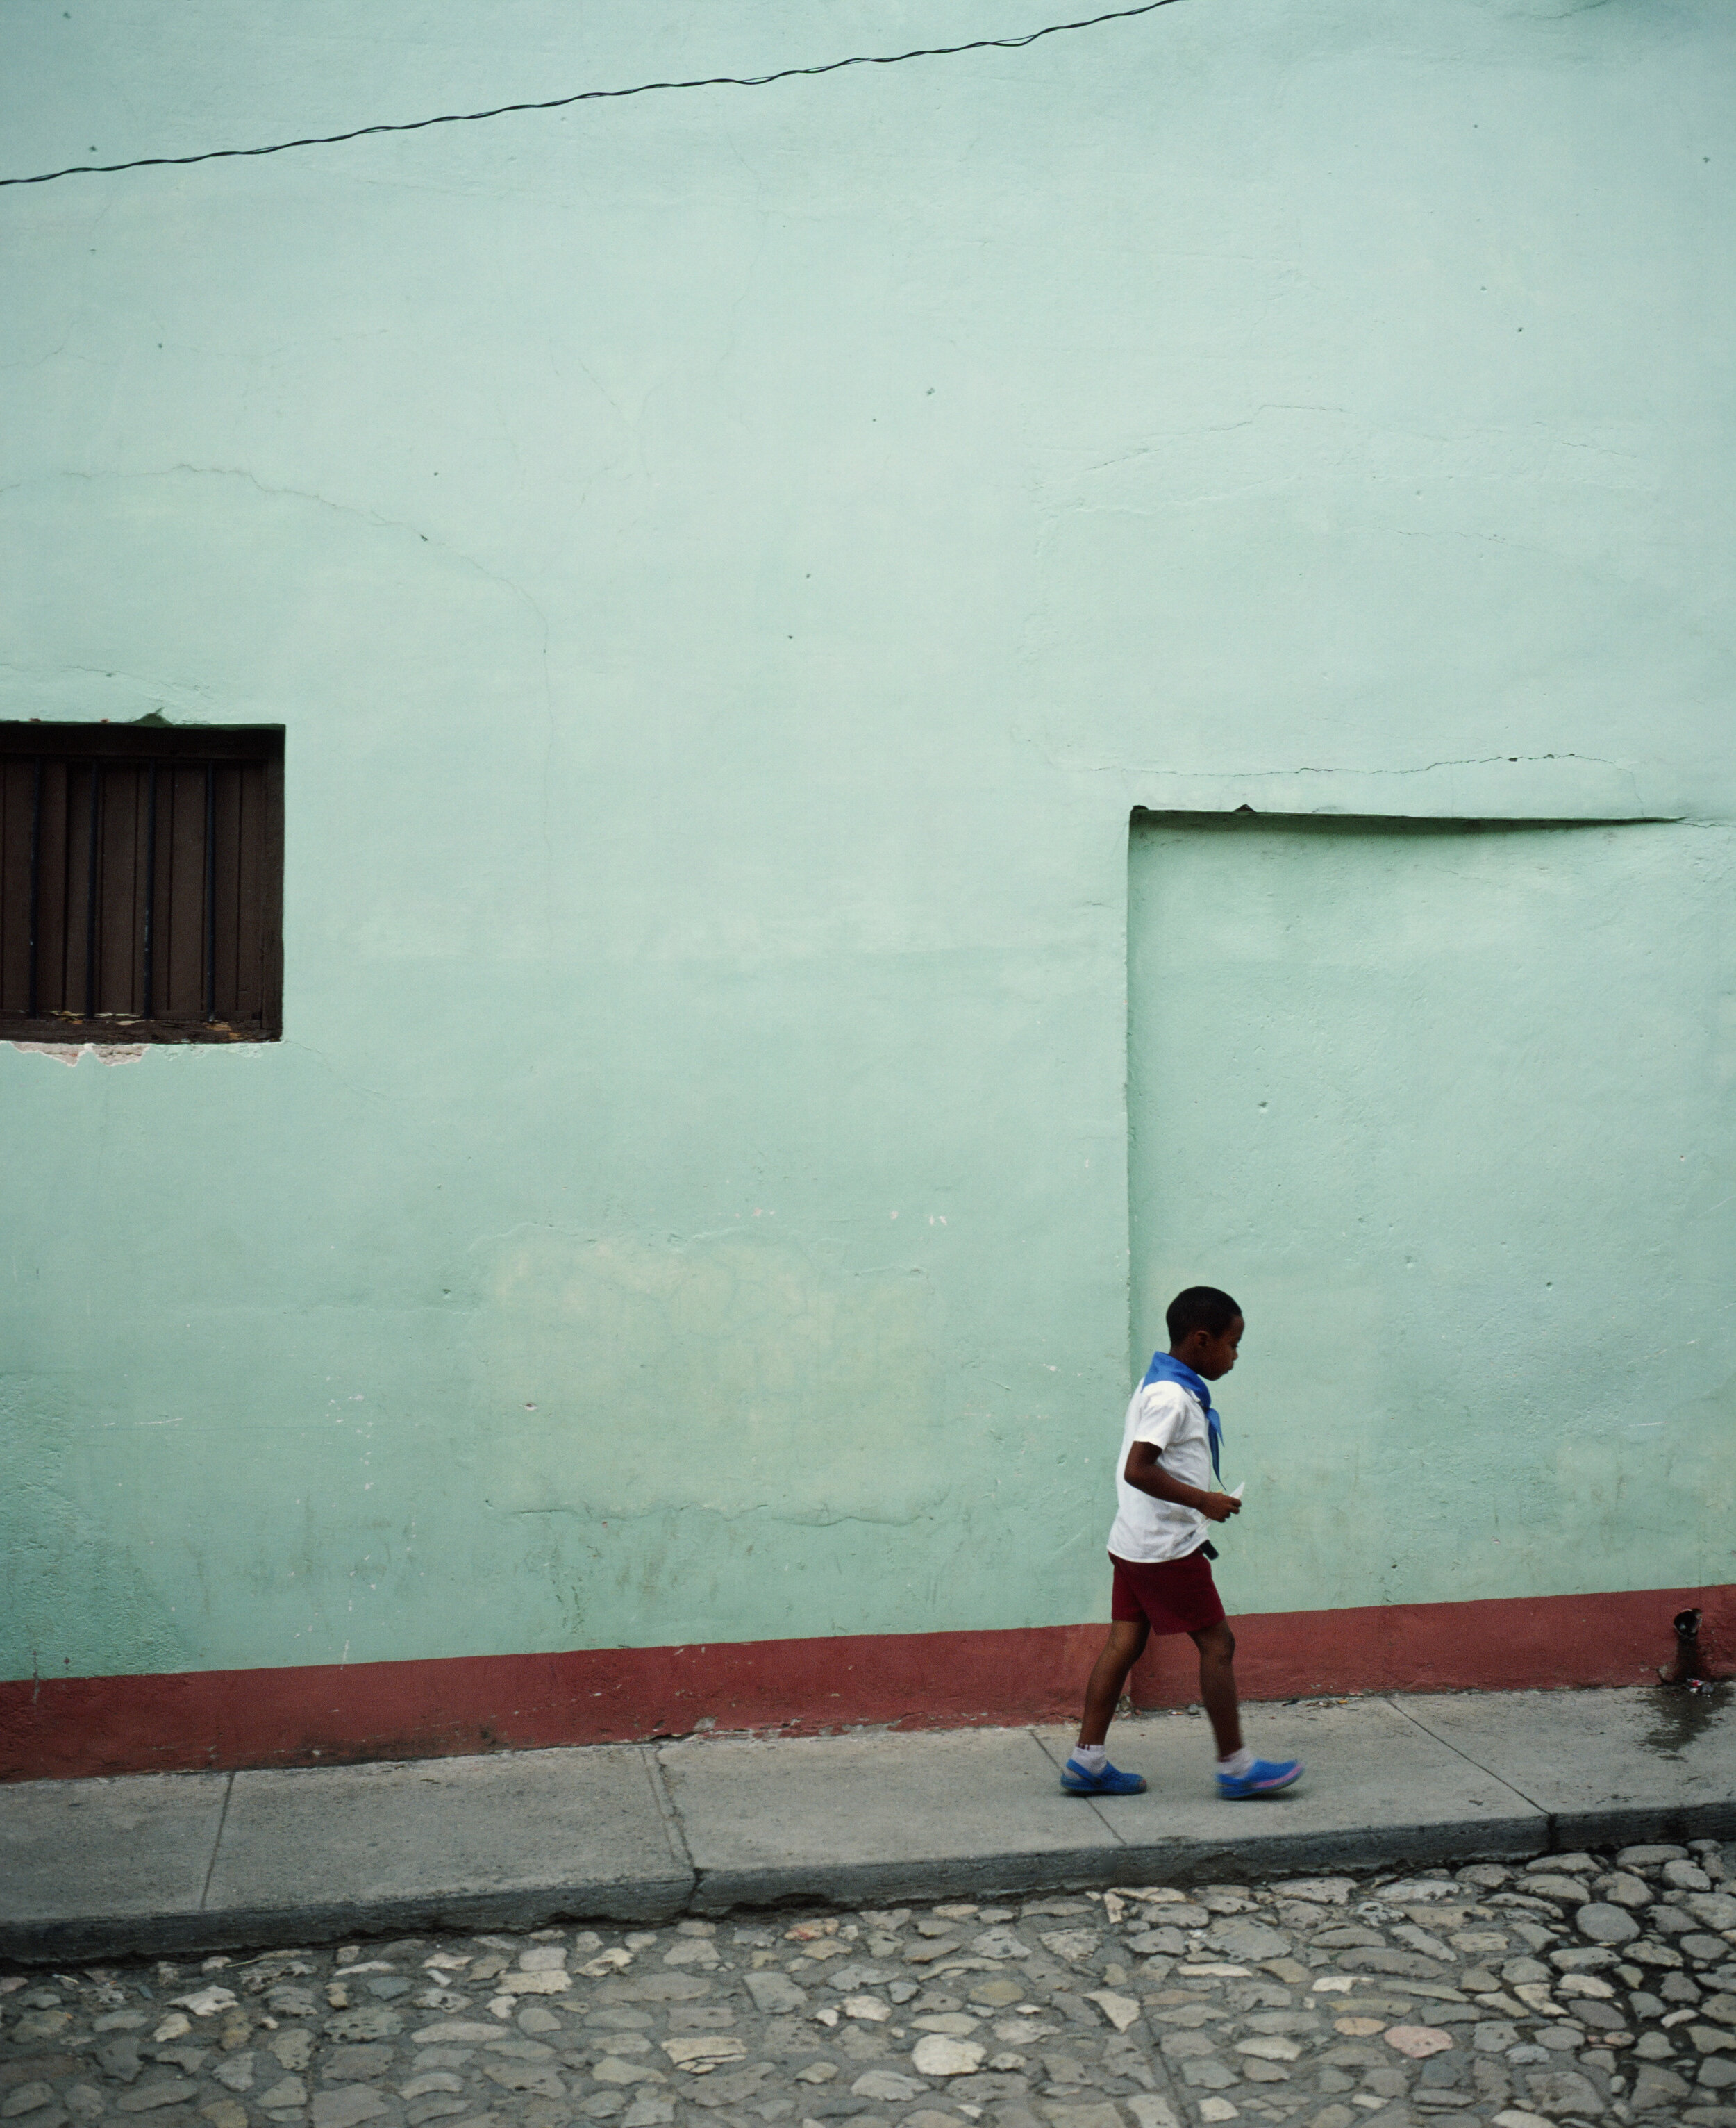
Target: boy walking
column 1158, row 1548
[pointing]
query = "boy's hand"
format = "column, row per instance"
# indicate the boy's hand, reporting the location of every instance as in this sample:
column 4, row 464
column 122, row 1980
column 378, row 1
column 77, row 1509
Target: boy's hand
column 1219, row 1506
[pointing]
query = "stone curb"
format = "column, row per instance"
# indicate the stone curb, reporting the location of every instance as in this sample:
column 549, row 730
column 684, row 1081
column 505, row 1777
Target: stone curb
column 89, row 1938
column 709, row 1893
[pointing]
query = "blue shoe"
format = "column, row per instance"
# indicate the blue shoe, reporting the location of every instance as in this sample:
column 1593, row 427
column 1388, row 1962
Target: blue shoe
column 1112, row 1781
column 1263, row 1778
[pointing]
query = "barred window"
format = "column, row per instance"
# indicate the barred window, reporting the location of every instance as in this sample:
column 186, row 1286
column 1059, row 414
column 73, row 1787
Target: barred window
column 141, row 876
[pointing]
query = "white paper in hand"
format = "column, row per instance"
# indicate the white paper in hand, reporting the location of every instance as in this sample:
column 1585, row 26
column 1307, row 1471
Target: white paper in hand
column 1237, row 1493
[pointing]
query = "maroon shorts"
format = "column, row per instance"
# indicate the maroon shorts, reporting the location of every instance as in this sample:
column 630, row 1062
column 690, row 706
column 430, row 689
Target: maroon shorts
column 1171, row 1595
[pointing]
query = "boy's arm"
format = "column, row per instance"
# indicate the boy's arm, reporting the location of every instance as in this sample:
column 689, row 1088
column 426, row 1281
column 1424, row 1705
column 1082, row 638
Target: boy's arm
column 1145, row 1473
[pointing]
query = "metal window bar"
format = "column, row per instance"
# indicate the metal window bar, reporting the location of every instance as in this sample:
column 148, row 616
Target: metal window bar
column 210, row 891
column 150, row 887
column 90, row 902
column 35, row 875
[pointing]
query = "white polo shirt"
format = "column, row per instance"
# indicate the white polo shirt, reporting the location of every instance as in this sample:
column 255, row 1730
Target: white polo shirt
column 1150, row 1531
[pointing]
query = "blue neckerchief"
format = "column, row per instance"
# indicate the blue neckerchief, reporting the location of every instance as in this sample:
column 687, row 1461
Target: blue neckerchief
column 1165, row 1367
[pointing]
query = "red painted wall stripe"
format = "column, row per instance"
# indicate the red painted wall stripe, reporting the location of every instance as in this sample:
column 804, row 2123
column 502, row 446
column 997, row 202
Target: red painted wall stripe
column 62, row 1728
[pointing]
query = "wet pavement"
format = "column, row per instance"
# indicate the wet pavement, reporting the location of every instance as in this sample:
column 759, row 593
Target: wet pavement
column 1581, row 1988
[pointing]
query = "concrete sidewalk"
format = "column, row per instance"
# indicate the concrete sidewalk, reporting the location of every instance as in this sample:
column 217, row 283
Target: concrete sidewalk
column 174, row 1863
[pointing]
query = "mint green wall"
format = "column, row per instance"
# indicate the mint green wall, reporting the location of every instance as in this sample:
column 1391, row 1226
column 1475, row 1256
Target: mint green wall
column 728, row 565
column 1438, row 1104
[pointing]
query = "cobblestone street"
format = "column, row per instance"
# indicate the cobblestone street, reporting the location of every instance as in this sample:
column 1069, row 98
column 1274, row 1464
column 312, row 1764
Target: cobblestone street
column 1580, row 1988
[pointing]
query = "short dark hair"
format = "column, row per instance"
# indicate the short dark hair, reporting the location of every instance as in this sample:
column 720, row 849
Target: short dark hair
column 1200, row 1307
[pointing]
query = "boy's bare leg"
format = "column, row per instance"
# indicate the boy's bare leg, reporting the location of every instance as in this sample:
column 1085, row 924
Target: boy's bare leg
column 1122, row 1649
column 1216, row 1646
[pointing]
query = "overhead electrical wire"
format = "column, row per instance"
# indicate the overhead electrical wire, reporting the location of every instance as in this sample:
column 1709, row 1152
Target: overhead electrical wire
column 596, row 96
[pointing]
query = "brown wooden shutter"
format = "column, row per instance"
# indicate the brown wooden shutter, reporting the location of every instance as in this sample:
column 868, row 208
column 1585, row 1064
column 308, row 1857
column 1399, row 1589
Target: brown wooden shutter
column 141, row 874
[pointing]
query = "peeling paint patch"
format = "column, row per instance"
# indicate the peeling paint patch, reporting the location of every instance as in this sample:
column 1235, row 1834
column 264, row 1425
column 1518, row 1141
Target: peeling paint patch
column 760, row 1340
column 69, row 1053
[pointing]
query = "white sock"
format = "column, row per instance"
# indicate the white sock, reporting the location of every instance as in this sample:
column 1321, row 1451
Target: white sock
column 1092, row 1757
column 1237, row 1763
